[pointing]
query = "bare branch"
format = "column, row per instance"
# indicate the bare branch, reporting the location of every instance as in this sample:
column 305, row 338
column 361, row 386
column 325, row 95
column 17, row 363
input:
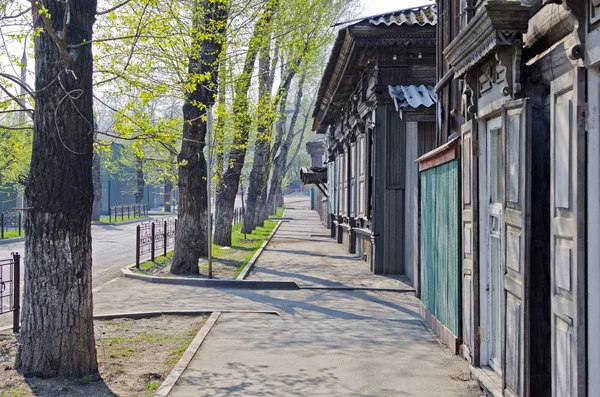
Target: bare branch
column 19, row 82
column 16, row 15
column 104, row 12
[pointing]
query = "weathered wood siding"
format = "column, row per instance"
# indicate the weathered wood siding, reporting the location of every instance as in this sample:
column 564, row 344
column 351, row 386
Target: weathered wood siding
column 388, row 191
column 440, row 244
column 420, row 139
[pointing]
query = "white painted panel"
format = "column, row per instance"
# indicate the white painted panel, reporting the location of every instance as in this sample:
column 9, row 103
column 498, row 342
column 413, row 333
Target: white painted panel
column 513, row 348
column 467, row 169
column 562, row 149
column 468, row 231
column 513, row 154
column 564, row 370
column 563, row 271
column 593, row 246
column 513, row 249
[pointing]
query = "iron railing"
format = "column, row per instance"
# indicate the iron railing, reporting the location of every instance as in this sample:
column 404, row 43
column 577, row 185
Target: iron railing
column 10, row 288
column 153, row 237
column 127, row 211
column 11, row 221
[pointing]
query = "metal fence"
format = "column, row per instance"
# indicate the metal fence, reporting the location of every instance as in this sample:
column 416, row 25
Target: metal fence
column 154, row 237
column 10, row 288
column 127, row 211
column 11, row 221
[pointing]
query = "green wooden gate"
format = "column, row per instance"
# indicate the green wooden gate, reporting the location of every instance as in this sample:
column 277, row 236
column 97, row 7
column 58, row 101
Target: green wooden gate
column 440, row 244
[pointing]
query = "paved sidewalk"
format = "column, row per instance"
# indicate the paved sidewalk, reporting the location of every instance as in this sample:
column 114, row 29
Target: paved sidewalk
column 325, row 342
column 302, row 251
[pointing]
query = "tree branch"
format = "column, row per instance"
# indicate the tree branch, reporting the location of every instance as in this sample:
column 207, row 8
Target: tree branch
column 107, row 11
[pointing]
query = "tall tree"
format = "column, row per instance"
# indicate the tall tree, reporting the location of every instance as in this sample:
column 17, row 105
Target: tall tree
column 57, row 333
column 242, row 121
column 259, row 177
column 281, row 152
column 210, row 18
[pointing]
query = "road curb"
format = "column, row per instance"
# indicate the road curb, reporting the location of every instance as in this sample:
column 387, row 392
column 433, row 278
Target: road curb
column 250, row 265
column 11, row 240
column 398, row 290
column 187, row 357
column 150, row 314
column 239, row 282
column 128, row 222
column 212, row 283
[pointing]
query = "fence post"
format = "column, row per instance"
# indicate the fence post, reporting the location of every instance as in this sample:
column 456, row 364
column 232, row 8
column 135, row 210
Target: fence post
column 20, row 223
column 128, row 216
column 165, row 238
column 137, row 247
column 2, row 225
column 109, row 214
column 16, row 292
column 153, row 243
column 122, row 212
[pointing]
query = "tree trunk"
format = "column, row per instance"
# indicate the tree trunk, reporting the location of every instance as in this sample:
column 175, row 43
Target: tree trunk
column 97, row 183
column 257, row 213
column 57, row 330
column 260, row 171
column 140, row 184
column 191, row 239
column 280, row 161
column 168, row 195
column 242, row 122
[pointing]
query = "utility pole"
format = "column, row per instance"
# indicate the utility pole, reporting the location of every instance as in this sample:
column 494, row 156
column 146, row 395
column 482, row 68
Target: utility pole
column 209, row 123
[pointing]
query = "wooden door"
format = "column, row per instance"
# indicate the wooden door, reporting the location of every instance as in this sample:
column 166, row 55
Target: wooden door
column 567, row 264
column 515, row 248
column 469, row 242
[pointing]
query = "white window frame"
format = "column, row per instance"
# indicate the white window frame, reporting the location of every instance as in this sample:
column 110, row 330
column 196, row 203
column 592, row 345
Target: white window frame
column 362, row 166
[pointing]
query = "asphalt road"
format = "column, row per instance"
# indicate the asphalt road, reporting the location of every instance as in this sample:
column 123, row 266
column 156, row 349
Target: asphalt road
column 113, row 247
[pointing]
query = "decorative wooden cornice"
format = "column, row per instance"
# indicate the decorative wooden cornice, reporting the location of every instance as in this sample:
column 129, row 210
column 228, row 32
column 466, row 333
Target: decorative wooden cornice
column 498, row 23
column 419, row 39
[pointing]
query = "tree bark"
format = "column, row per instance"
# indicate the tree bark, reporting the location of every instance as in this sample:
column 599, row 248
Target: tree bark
column 242, row 122
column 140, row 184
column 280, row 160
column 191, row 239
column 168, row 195
column 57, row 330
column 260, row 171
column 97, row 182
column 261, row 168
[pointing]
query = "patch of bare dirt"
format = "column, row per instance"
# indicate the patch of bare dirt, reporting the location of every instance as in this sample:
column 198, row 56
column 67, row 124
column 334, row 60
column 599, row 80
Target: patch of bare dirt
column 134, row 357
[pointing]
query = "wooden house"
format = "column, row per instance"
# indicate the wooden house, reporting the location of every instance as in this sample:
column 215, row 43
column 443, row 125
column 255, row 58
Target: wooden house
column 376, row 106
column 520, row 81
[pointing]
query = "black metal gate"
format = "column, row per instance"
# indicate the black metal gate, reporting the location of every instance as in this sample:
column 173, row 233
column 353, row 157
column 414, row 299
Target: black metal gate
column 10, row 288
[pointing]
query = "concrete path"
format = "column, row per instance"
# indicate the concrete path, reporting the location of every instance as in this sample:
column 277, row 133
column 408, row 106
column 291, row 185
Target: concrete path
column 324, row 342
column 307, row 342
column 302, row 251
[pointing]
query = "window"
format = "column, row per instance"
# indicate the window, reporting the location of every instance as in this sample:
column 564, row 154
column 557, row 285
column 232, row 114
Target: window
column 361, row 175
column 352, row 166
column 340, row 208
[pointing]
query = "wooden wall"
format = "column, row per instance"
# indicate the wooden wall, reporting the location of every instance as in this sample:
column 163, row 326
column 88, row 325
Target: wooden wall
column 440, row 242
column 388, row 191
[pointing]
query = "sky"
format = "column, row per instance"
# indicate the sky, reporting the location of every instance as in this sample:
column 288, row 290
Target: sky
column 374, row 7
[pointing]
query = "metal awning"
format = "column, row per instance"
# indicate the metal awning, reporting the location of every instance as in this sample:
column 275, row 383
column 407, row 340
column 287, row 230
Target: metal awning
column 412, row 96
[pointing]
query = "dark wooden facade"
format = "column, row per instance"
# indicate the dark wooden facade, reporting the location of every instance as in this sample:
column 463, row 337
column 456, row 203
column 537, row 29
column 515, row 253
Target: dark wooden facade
column 519, row 80
column 373, row 143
